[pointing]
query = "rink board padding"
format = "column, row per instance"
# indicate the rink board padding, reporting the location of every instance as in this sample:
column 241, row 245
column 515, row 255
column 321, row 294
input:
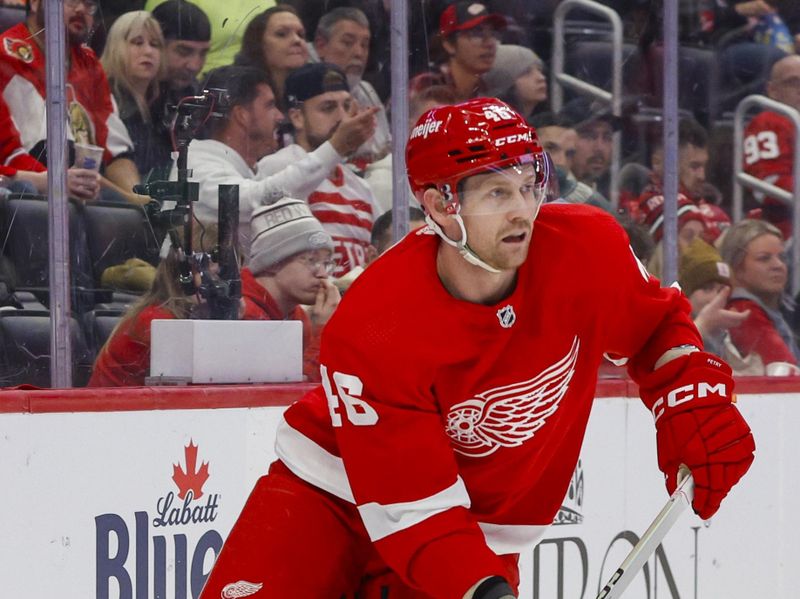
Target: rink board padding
column 129, row 493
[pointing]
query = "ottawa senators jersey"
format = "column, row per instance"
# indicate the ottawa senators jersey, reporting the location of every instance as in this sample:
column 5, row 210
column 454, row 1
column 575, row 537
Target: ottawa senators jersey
column 455, row 427
column 769, row 150
column 92, row 117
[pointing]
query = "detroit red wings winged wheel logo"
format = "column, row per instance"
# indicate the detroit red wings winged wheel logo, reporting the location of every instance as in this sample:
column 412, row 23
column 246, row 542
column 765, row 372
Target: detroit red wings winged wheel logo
column 508, row 416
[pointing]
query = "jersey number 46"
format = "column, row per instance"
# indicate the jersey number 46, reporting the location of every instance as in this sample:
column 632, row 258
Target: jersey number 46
column 348, row 394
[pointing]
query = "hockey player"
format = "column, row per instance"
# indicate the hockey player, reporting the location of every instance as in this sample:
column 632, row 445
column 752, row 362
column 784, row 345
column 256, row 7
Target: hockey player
column 457, row 379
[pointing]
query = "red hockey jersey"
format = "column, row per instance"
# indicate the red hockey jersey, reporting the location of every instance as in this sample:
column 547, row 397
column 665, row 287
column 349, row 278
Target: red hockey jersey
column 769, row 149
column 23, row 125
column 455, row 427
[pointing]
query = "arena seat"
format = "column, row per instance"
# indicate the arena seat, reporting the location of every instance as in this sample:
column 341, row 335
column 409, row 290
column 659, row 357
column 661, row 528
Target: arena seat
column 98, row 325
column 116, row 232
column 25, row 349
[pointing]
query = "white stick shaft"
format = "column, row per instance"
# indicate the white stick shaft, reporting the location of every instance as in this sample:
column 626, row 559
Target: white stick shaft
column 669, row 514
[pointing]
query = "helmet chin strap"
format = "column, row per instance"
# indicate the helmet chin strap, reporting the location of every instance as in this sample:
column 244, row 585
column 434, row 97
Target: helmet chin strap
column 463, row 248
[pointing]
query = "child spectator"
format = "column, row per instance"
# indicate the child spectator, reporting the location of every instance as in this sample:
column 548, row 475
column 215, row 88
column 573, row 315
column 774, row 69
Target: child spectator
column 705, row 280
column 291, row 258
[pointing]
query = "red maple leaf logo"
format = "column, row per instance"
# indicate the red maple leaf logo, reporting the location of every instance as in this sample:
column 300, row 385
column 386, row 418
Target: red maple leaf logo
column 190, row 479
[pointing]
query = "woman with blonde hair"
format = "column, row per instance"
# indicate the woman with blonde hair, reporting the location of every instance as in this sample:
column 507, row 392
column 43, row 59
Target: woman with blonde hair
column 134, row 62
column 764, row 343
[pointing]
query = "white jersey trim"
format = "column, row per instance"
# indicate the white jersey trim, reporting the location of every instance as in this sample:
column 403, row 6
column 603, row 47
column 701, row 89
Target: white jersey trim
column 311, row 462
column 512, row 538
column 384, row 520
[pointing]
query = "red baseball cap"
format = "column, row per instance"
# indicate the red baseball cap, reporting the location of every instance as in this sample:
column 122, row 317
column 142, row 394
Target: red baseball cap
column 466, row 15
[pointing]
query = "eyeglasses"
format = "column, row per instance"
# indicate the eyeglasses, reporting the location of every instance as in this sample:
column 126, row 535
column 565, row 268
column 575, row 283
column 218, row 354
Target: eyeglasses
column 91, row 5
column 481, row 33
column 315, row 264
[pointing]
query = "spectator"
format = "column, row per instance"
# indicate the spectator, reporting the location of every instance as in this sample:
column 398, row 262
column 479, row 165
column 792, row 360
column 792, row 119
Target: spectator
column 275, row 42
column 92, row 118
column 595, row 126
column 319, row 103
column 382, row 238
column 291, row 258
column 247, row 133
column 133, row 60
column 469, row 35
column 769, row 143
column 764, row 342
column 518, row 79
column 379, row 174
column 558, row 139
column 691, row 224
column 124, row 360
column 187, row 32
column 342, row 38
column 228, row 21
column 705, row 280
column 692, row 162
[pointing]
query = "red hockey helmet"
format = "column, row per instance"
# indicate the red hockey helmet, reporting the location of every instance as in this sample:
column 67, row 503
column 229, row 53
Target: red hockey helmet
column 450, row 143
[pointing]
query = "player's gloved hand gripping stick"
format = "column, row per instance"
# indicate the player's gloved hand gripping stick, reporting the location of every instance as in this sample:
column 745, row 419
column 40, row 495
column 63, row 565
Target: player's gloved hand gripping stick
column 698, row 429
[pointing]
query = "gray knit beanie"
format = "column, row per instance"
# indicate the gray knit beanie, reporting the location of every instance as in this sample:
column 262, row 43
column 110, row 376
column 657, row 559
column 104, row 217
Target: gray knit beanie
column 510, row 63
column 281, row 230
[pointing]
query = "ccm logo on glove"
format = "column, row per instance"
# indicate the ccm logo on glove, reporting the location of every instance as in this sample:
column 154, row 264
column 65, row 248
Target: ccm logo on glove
column 686, row 393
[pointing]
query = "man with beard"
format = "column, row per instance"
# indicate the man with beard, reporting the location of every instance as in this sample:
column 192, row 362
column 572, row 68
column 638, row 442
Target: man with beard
column 187, row 33
column 319, row 103
column 245, row 134
column 92, row 118
column 342, row 38
column 290, row 262
column 594, row 145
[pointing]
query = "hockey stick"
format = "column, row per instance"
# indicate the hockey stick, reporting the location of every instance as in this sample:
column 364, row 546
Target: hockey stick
column 669, row 514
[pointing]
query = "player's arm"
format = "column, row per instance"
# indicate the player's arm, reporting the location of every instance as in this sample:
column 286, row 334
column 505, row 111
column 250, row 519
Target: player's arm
column 689, row 391
column 402, row 471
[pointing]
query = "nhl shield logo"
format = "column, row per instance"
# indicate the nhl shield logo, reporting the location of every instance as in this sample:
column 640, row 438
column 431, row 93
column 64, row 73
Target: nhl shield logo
column 506, row 316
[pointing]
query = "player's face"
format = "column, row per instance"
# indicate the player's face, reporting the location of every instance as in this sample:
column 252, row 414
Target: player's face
column 263, row 117
column 593, row 151
column 301, row 276
column 284, row 42
column 763, row 270
column 316, row 121
column 185, row 60
column 348, row 48
column 474, row 49
column 692, row 162
column 498, row 209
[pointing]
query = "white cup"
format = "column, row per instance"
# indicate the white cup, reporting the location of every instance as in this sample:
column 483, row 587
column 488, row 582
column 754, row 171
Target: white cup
column 88, row 156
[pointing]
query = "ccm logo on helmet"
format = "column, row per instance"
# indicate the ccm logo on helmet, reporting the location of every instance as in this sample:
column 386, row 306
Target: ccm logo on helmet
column 425, row 129
column 513, row 139
column 687, row 393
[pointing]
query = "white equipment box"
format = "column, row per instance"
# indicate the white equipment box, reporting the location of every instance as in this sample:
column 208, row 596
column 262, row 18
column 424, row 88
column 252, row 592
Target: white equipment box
column 227, row 351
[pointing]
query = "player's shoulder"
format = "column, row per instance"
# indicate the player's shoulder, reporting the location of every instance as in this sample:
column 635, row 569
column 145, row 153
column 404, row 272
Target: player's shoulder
column 393, row 287
column 578, row 222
